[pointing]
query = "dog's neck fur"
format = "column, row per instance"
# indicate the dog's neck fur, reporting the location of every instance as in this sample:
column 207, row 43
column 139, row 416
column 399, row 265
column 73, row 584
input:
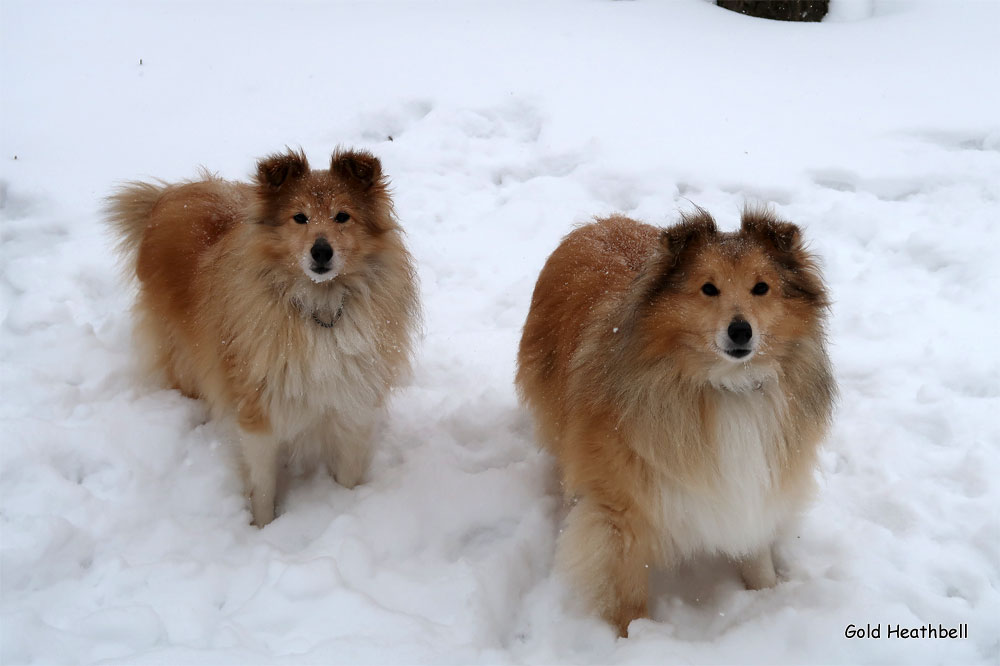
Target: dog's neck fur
column 322, row 309
column 740, row 377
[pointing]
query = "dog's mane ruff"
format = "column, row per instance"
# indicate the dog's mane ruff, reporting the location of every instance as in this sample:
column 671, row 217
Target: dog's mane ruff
column 268, row 316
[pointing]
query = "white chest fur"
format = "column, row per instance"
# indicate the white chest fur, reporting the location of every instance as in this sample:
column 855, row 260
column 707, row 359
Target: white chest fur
column 337, row 374
column 741, row 511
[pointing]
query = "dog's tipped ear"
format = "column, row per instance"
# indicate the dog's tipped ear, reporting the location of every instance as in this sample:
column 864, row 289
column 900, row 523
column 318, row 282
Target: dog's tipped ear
column 783, row 241
column 762, row 222
column 357, row 167
column 275, row 170
column 693, row 226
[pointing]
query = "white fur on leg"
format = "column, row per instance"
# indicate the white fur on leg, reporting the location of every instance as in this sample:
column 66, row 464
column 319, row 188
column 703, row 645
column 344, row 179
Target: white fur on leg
column 260, row 454
column 584, row 554
column 758, row 570
column 604, row 564
column 349, row 456
column 345, row 447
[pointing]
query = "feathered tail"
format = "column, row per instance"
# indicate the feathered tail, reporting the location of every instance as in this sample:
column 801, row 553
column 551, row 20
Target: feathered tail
column 128, row 211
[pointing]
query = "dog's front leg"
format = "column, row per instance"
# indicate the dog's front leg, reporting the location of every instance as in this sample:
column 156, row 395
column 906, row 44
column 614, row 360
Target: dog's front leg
column 348, row 451
column 604, row 553
column 261, row 456
column 757, row 570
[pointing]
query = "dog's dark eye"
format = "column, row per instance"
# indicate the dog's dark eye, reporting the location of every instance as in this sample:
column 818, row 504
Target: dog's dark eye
column 709, row 289
column 341, row 217
column 300, row 218
column 759, row 289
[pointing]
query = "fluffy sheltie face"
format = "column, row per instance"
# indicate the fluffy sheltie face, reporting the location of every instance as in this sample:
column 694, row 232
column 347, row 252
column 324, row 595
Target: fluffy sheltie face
column 726, row 303
column 320, row 225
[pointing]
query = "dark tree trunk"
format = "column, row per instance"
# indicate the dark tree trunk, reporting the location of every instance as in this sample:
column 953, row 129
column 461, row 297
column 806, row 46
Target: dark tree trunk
column 781, row 10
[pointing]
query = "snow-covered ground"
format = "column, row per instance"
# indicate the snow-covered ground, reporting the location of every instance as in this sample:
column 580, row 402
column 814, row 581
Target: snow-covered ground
column 125, row 537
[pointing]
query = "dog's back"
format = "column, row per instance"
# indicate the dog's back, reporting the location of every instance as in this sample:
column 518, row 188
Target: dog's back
column 164, row 229
column 591, row 262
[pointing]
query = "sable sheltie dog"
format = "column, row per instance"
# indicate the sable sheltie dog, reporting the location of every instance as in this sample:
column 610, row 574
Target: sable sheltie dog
column 288, row 304
column 679, row 376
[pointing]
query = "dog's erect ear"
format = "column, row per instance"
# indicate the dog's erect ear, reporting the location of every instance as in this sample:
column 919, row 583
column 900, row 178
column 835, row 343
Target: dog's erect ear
column 761, row 222
column 693, row 226
column 357, row 167
column 275, row 170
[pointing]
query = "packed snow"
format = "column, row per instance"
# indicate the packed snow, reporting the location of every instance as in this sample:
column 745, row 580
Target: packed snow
column 125, row 535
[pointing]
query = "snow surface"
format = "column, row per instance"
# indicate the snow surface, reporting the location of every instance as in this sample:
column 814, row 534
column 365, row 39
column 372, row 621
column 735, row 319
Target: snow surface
column 125, row 536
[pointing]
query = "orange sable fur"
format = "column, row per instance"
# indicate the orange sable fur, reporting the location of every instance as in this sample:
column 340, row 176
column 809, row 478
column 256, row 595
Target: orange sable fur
column 668, row 445
column 296, row 353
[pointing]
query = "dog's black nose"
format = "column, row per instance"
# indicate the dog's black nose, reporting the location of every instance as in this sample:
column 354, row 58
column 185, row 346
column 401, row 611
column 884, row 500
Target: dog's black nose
column 321, row 251
column 740, row 331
